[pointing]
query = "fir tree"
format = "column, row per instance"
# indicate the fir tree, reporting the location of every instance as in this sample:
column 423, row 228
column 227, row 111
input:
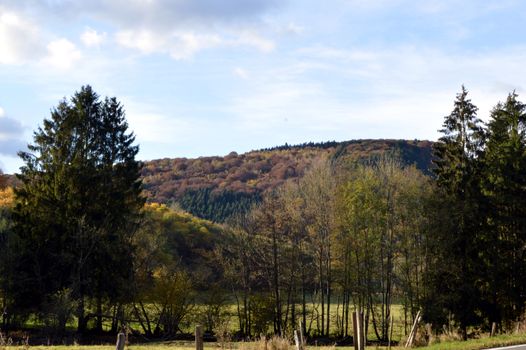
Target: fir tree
column 456, row 159
column 504, row 186
column 78, row 205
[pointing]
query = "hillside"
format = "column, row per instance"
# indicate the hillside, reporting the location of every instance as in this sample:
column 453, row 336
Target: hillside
column 216, row 187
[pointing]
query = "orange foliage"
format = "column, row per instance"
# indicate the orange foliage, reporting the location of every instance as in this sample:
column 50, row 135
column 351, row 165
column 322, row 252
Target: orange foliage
column 7, row 197
column 166, row 180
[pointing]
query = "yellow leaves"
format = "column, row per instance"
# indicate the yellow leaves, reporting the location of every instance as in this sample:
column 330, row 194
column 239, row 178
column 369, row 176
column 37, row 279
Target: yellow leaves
column 167, row 219
column 156, row 207
column 7, row 197
column 158, row 273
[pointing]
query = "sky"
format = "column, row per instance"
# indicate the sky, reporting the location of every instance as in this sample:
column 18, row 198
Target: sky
column 207, row 77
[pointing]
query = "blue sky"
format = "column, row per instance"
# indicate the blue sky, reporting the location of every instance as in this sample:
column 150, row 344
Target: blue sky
column 206, row 77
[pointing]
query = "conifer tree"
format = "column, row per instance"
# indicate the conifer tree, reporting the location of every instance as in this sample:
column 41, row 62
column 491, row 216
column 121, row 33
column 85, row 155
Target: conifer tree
column 504, row 186
column 78, row 205
column 456, row 168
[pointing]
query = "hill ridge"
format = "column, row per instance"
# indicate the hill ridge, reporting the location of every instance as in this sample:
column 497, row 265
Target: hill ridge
column 215, row 187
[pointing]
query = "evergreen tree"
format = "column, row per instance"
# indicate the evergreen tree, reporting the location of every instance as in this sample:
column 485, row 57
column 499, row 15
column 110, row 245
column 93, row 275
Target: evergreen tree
column 78, row 205
column 504, row 185
column 457, row 167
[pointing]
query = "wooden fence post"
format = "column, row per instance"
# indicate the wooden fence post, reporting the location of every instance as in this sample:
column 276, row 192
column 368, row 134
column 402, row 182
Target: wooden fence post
column 363, row 336
column 198, row 337
column 412, row 334
column 493, row 329
column 121, row 341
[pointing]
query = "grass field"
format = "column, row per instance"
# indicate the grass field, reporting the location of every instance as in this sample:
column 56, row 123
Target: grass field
column 233, row 325
column 396, row 309
column 475, row 344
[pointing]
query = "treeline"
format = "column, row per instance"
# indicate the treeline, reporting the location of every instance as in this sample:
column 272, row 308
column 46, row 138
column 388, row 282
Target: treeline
column 286, row 146
column 78, row 246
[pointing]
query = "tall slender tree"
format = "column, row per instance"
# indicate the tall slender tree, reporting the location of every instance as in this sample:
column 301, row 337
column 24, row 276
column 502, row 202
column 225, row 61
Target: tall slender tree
column 504, row 186
column 456, row 169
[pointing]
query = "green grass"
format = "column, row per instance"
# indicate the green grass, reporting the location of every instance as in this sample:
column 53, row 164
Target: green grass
column 484, row 342
column 396, row 309
column 474, row 344
column 233, row 324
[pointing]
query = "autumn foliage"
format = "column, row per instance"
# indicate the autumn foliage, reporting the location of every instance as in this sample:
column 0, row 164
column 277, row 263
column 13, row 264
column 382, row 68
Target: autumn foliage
column 215, row 187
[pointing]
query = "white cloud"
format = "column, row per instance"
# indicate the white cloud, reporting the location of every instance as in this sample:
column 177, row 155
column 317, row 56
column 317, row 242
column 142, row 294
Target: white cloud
column 91, row 38
column 179, row 29
column 23, row 42
column 179, row 45
column 143, row 40
column 250, row 38
column 62, row 54
column 240, row 72
column 19, row 38
column 185, row 45
column 163, row 15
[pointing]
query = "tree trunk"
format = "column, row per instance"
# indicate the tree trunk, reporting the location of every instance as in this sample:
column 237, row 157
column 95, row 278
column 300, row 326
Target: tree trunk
column 328, row 285
column 278, row 316
column 81, row 325
column 98, row 326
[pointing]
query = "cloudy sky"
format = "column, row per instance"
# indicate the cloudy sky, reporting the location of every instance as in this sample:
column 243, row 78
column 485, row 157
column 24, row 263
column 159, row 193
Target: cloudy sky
column 206, row 77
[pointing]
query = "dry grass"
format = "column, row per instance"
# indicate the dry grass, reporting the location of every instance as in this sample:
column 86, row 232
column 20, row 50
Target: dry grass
column 274, row 343
column 277, row 343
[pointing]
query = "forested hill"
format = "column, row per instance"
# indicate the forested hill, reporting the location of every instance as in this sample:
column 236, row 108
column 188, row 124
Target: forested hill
column 215, row 187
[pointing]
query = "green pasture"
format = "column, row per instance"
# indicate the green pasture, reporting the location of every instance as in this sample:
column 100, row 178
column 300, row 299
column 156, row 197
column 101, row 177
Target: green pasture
column 231, row 322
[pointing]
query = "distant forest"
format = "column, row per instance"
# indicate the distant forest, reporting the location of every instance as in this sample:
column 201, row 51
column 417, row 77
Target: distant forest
column 214, row 188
